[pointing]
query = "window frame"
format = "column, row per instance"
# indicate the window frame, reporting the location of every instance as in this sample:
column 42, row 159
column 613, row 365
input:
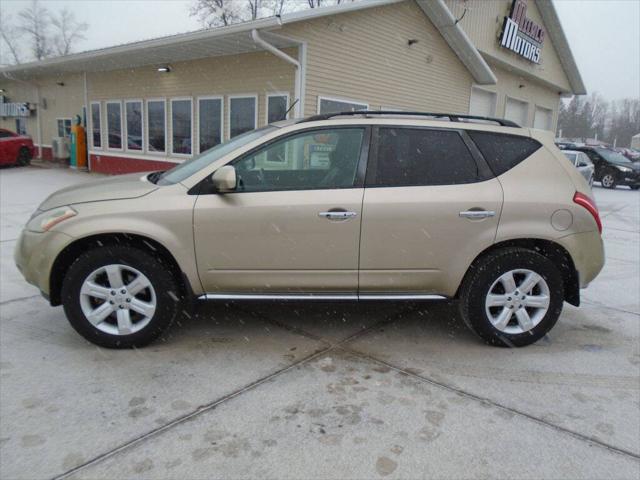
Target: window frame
column 99, row 104
column 171, row 152
column 266, row 104
column 210, row 97
column 205, row 187
column 106, row 109
column 536, row 107
column 255, row 97
column 126, row 128
column 342, row 100
column 495, row 99
column 521, row 100
column 147, row 150
column 63, row 119
column 484, row 172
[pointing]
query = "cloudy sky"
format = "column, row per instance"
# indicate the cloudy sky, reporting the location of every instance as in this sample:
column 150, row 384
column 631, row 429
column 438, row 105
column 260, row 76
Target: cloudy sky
column 604, row 34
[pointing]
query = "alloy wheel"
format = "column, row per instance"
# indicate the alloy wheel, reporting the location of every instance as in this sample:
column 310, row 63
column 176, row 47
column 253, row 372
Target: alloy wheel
column 608, row 180
column 118, row 299
column 517, row 301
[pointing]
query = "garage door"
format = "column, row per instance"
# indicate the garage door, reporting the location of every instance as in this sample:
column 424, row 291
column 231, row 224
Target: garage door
column 516, row 111
column 483, row 103
column 543, row 118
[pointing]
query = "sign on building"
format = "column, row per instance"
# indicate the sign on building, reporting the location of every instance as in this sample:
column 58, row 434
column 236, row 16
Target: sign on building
column 14, row 110
column 522, row 35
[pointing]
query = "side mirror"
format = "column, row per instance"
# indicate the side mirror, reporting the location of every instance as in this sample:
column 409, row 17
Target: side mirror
column 224, row 179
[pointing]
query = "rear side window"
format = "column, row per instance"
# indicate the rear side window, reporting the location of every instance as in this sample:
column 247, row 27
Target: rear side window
column 411, row 157
column 501, row 151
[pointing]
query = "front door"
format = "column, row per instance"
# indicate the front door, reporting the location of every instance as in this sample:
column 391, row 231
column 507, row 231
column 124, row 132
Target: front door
column 293, row 224
column 429, row 208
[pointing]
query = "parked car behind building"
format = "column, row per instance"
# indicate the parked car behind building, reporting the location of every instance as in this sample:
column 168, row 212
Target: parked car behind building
column 15, row 149
column 612, row 168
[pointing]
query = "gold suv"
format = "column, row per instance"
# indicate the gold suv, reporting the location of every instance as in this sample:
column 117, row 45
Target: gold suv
column 350, row 206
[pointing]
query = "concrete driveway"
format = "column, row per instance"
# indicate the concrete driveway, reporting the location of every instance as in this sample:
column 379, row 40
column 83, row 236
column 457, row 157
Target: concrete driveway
column 268, row 390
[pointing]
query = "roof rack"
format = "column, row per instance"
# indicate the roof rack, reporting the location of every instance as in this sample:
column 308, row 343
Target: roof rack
column 452, row 117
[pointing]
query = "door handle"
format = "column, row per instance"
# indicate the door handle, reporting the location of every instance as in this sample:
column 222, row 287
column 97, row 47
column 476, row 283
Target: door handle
column 477, row 214
column 337, row 215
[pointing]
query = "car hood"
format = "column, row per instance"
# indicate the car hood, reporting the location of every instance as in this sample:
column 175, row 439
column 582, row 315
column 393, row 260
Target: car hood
column 115, row 188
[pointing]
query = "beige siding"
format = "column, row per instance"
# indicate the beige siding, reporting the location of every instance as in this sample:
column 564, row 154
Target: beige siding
column 365, row 56
column 252, row 74
column 483, row 22
column 57, row 101
column 522, row 88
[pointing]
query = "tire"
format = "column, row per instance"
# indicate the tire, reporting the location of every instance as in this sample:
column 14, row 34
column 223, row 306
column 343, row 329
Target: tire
column 100, row 265
column 483, row 279
column 634, row 187
column 24, row 158
column 609, row 180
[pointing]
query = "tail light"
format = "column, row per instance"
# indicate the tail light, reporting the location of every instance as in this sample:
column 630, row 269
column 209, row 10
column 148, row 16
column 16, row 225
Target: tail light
column 586, row 202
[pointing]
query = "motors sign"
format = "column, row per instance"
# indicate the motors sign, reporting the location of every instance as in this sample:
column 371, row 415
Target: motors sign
column 521, row 34
column 14, row 110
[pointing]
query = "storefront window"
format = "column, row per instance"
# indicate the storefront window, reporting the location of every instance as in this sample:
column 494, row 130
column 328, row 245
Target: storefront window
column 331, row 105
column 242, row 115
column 209, row 123
column 156, row 125
column 133, row 116
column 277, row 106
column 96, row 125
column 181, row 126
column 114, row 125
column 64, row 127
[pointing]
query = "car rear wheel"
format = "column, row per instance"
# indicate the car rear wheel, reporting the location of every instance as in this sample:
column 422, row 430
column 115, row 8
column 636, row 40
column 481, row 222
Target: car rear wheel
column 120, row 297
column 24, row 158
column 608, row 180
column 634, row 187
column 512, row 297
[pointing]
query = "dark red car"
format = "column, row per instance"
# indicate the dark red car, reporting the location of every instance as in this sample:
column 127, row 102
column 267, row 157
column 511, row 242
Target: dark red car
column 15, row 149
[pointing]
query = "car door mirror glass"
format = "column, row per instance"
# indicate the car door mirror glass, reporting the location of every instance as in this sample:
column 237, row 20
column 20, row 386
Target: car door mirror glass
column 224, row 179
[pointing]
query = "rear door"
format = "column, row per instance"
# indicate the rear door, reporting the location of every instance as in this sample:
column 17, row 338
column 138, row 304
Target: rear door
column 430, row 207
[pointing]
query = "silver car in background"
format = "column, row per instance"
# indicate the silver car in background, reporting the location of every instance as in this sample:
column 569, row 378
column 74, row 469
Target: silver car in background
column 582, row 163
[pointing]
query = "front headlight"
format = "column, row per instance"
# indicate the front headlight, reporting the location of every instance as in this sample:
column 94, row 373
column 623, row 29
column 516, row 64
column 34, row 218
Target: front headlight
column 47, row 220
column 623, row 169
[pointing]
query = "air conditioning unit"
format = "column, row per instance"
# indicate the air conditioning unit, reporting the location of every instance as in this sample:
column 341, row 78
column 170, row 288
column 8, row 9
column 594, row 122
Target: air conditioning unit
column 61, row 147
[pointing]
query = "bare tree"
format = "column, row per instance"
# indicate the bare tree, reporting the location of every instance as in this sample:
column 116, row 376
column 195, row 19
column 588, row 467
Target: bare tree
column 10, row 37
column 34, row 21
column 215, row 13
column 68, row 31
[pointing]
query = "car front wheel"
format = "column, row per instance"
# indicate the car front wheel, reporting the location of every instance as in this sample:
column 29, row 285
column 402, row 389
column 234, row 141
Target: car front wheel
column 608, row 180
column 512, row 297
column 120, row 297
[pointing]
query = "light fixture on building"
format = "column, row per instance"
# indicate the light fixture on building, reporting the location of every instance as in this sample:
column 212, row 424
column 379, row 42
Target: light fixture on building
column 164, row 69
column 2, row 90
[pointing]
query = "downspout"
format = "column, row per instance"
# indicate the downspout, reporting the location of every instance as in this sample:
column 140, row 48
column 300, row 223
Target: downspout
column 299, row 79
column 38, row 116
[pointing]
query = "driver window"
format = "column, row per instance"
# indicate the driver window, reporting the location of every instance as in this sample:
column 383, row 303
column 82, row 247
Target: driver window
column 319, row 159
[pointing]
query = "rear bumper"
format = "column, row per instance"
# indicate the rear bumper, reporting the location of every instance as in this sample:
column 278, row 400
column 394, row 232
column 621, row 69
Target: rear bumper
column 587, row 252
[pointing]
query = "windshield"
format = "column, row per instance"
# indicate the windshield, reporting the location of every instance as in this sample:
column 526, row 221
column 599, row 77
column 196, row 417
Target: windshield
column 614, row 157
column 188, row 168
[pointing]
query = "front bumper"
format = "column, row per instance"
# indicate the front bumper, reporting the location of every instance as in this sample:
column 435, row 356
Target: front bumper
column 630, row 179
column 34, row 256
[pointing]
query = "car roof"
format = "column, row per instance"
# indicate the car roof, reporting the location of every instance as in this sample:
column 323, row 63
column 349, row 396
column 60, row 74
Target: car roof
column 411, row 115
